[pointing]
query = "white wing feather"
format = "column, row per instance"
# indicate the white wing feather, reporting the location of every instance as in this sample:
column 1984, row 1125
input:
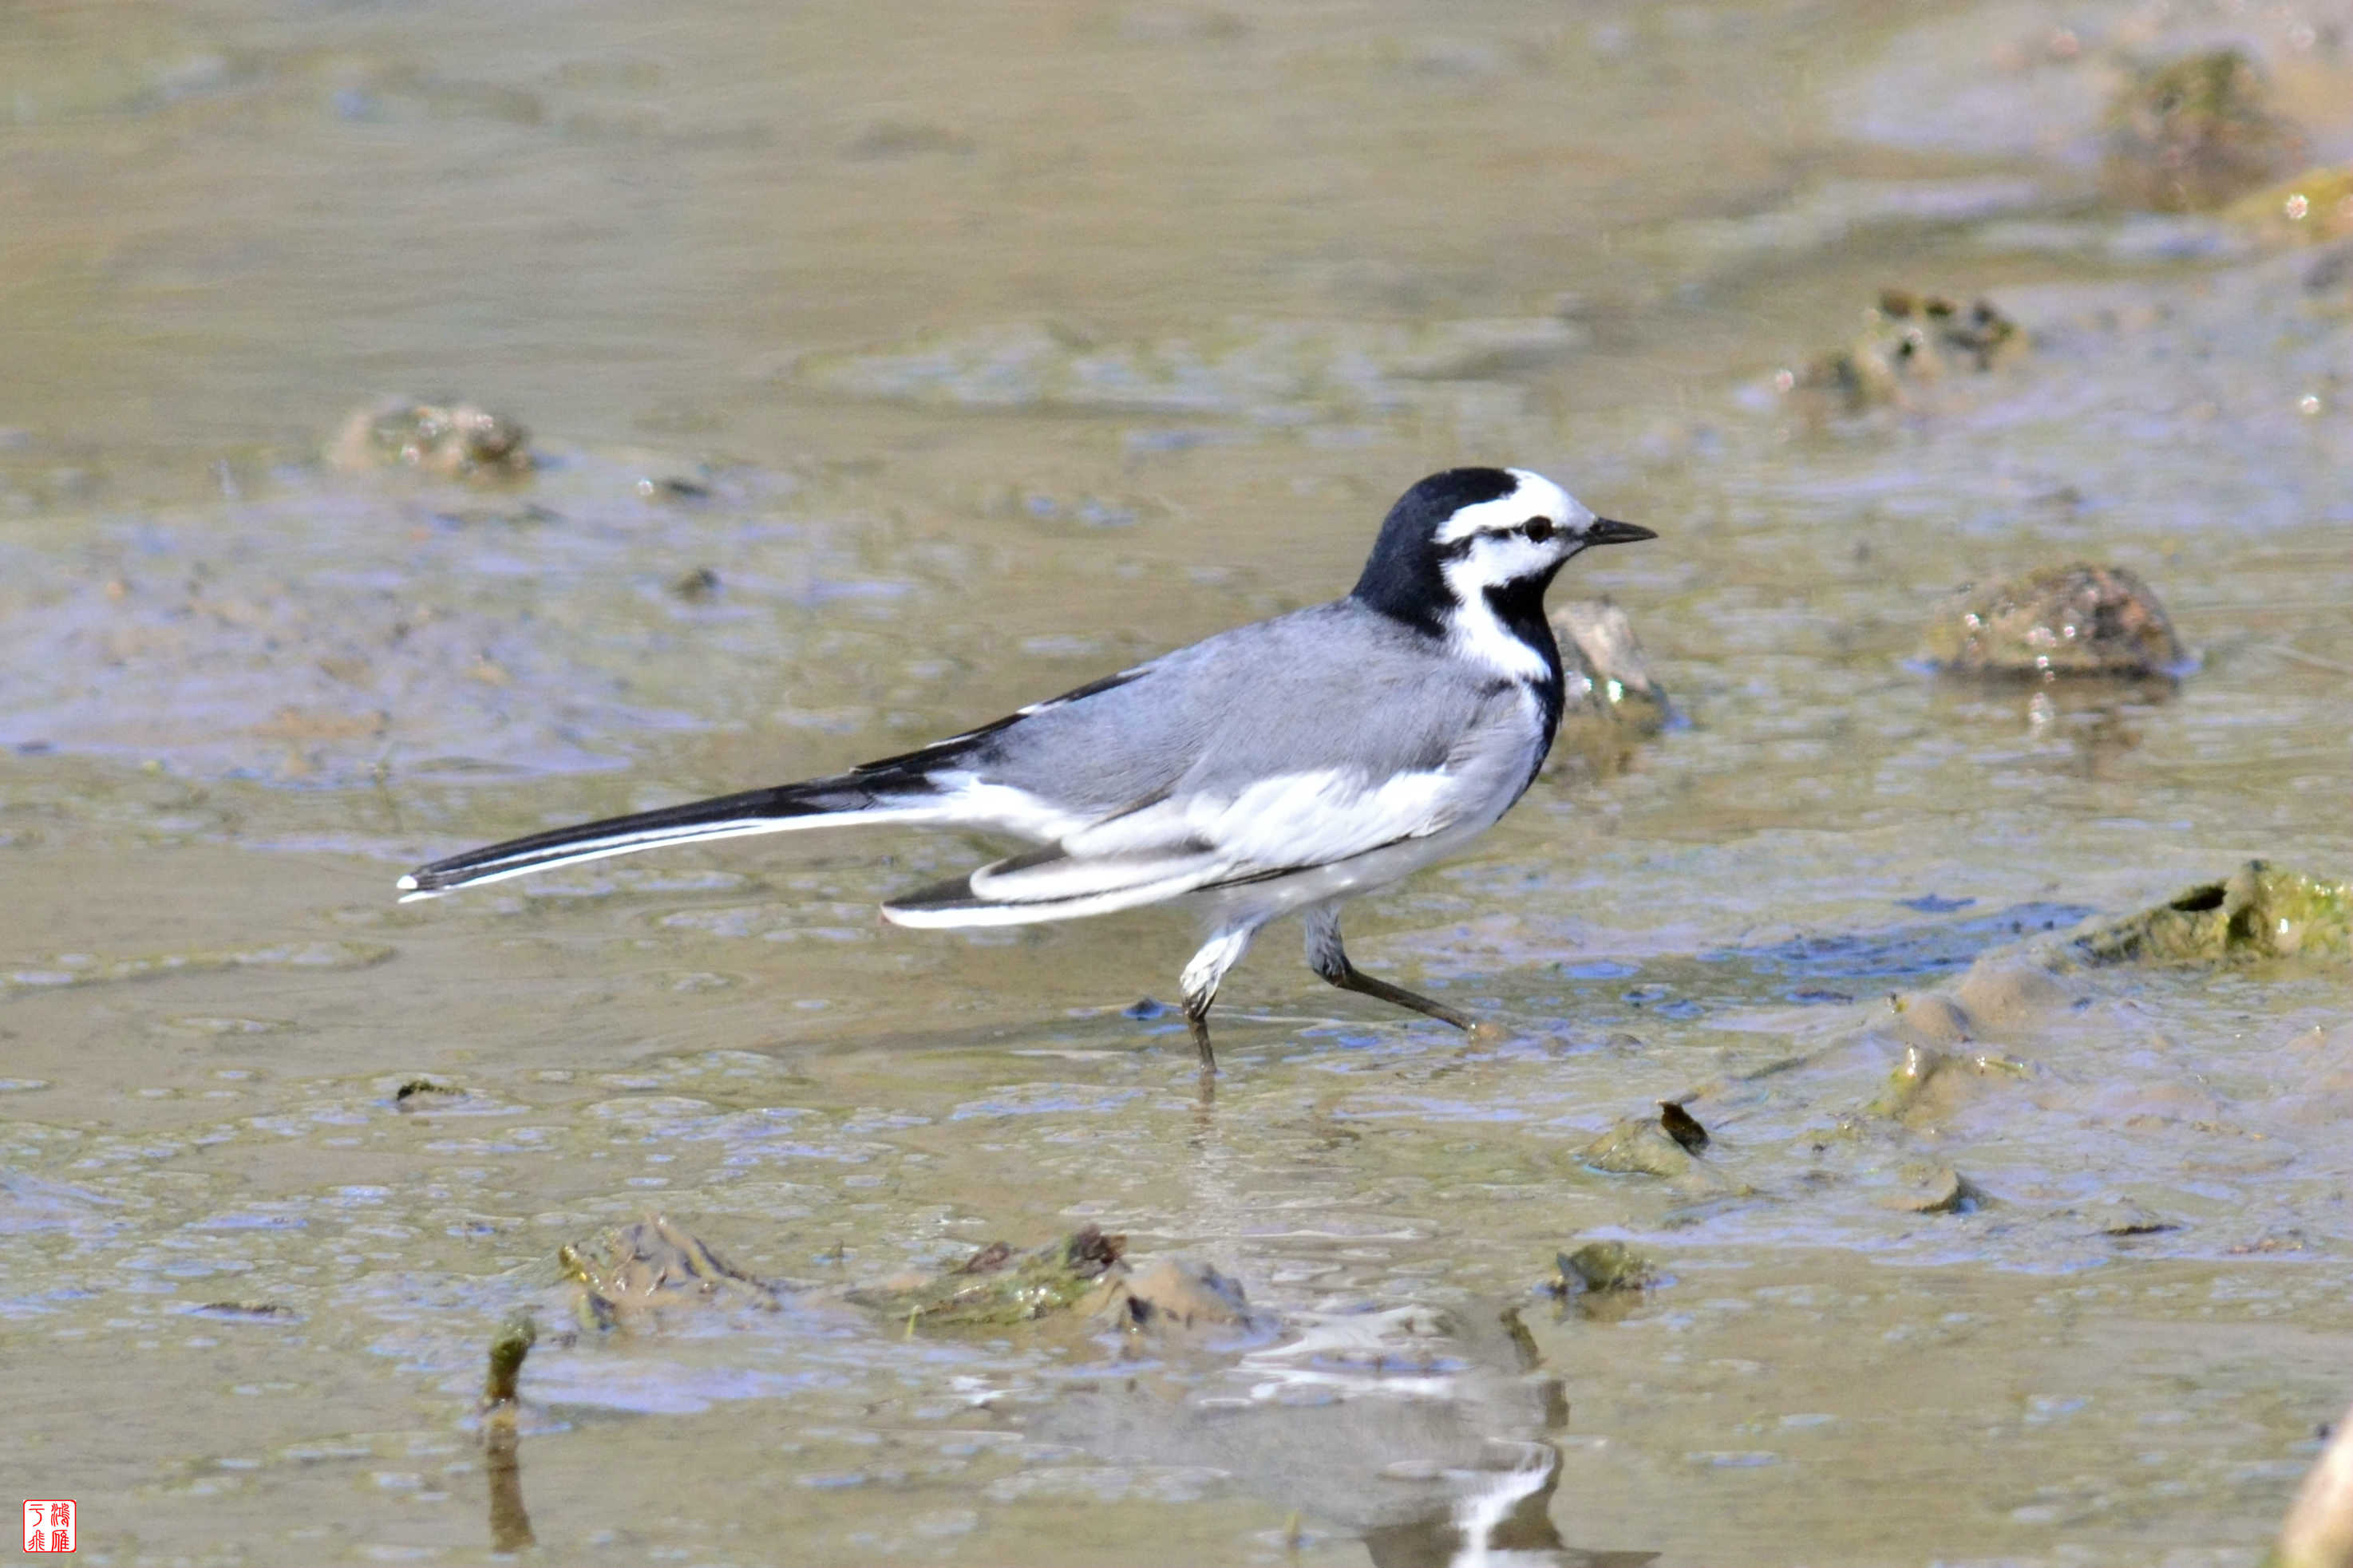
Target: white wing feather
column 1174, row 847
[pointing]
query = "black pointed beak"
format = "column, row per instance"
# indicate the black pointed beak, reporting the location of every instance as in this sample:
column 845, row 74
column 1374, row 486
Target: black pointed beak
column 1607, row 531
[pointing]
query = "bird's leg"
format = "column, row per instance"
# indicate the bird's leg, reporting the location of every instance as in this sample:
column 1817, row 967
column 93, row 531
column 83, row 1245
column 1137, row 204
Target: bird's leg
column 1198, row 1015
column 1327, row 958
column 1221, row 952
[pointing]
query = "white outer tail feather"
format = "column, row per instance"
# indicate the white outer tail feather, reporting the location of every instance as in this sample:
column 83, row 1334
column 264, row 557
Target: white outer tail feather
column 660, row 838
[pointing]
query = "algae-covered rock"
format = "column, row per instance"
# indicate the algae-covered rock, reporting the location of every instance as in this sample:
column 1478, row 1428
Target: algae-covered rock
column 1603, row 1266
column 509, row 1346
column 2072, row 620
column 1909, row 340
column 1638, row 1146
column 997, row 1285
column 458, row 441
column 2259, row 911
column 631, row 1275
column 2194, row 132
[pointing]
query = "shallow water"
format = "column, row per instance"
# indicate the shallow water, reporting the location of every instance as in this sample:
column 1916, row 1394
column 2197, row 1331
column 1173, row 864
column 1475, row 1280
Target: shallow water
column 994, row 352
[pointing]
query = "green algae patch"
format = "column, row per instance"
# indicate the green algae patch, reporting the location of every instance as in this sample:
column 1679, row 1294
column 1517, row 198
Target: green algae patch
column 996, row 1287
column 2259, row 911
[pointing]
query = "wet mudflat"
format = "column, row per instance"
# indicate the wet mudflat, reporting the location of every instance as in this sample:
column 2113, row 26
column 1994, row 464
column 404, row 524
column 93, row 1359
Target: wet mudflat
column 887, row 371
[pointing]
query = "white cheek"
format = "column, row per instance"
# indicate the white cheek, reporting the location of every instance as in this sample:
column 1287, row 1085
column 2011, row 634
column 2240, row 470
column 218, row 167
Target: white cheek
column 1500, row 558
column 1472, row 627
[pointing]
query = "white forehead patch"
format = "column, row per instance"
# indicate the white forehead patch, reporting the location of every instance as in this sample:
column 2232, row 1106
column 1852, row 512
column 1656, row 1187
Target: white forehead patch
column 1532, row 496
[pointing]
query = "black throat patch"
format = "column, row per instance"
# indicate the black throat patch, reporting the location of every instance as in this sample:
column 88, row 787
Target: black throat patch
column 1521, row 607
column 1405, row 577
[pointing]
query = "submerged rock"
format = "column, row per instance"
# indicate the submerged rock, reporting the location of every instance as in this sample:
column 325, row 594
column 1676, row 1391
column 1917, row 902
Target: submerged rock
column 1610, row 697
column 2259, row 911
column 1638, row 1146
column 1603, row 1266
column 1608, row 672
column 459, row 441
column 629, row 1276
column 696, row 587
column 2122, row 1216
column 247, row 1313
column 1928, row 1188
column 998, row 1285
column 1181, row 1298
column 424, row 1093
column 2193, row 133
column 1929, row 1086
column 1908, row 341
column 1934, row 1017
column 2072, row 620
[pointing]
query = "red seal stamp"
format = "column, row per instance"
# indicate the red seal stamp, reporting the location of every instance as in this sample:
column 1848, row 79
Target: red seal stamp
column 49, row 1524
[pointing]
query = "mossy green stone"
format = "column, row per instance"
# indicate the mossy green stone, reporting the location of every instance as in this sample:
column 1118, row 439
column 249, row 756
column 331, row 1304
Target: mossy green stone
column 2259, row 911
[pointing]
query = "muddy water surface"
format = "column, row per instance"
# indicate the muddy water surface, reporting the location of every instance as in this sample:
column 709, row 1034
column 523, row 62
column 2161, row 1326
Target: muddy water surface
column 975, row 355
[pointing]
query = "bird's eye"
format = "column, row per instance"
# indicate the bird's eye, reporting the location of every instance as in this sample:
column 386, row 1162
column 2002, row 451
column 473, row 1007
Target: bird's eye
column 1538, row 528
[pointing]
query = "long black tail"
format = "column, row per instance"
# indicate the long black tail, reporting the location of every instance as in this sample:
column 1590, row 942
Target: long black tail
column 820, row 803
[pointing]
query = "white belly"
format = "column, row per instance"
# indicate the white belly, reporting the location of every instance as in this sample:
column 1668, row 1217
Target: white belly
column 1253, row 903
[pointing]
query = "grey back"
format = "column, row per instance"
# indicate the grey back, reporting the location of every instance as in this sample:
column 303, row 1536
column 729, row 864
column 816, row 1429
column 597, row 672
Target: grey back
column 1339, row 687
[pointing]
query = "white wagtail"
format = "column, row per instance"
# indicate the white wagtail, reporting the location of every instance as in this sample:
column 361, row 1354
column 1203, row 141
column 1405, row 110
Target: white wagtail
column 1286, row 765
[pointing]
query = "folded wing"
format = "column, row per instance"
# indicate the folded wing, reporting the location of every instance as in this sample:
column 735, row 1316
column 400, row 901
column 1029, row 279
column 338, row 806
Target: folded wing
column 1190, row 841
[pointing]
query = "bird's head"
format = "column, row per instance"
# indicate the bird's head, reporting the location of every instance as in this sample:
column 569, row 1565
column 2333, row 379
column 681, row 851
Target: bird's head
column 1471, row 536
